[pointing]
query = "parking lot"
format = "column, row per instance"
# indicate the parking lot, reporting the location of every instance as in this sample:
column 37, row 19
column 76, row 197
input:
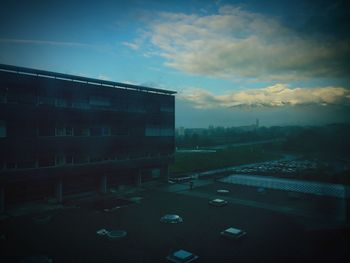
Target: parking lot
column 284, row 168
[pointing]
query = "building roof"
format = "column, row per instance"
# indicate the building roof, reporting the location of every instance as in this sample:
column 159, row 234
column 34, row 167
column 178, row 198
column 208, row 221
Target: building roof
column 68, row 77
column 316, row 188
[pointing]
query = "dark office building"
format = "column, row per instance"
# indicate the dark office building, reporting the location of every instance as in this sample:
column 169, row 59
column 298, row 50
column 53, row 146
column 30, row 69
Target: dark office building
column 62, row 134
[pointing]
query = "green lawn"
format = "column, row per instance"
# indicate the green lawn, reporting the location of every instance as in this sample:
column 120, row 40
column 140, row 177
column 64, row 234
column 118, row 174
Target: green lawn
column 195, row 162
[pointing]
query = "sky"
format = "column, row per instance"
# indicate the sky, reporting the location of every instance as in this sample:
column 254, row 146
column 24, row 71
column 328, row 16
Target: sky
column 231, row 62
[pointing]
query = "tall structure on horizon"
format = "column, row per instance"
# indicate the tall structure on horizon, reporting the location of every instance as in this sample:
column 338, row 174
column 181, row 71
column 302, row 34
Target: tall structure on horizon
column 63, row 134
column 181, row 131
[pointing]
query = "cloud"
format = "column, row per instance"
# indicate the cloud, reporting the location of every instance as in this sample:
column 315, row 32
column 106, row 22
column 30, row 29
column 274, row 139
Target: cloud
column 129, row 82
column 103, row 77
column 131, row 45
column 238, row 43
column 44, row 42
column 273, row 96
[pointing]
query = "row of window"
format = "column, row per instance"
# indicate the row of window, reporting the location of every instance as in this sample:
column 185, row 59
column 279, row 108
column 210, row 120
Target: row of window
column 156, row 131
column 80, row 131
column 70, row 131
column 63, row 160
column 92, row 102
column 151, row 130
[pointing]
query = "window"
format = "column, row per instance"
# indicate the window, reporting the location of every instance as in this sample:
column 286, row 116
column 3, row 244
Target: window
column 95, row 159
column 46, row 131
column 42, row 100
column 152, row 131
column 153, row 154
column 136, row 105
column 3, row 97
column 59, row 102
column 27, row 99
column 167, row 106
column 120, row 130
column 64, row 131
column 155, row 173
column 152, row 106
column 234, row 233
column 137, row 155
column 68, row 159
column 83, row 158
column 26, row 164
column 11, row 165
column 98, row 101
column 86, row 132
column 157, row 131
column 80, row 131
column 121, row 156
column 12, row 97
column 106, row 131
column 69, row 131
column 167, row 132
column 17, row 97
column 60, row 131
column 109, row 157
column 81, row 103
column 96, row 131
column 100, row 131
column 29, row 131
column 46, row 161
column 120, row 103
column 2, row 129
column 170, row 218
column 60, row 159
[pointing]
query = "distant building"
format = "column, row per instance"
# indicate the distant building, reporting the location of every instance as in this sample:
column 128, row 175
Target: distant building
column 247, row 128
column 197, row 131
column 181, row 131
column 62, row 134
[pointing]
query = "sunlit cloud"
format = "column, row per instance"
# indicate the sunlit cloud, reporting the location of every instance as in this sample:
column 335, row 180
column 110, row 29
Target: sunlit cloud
column 238, row 43
column 273, row 96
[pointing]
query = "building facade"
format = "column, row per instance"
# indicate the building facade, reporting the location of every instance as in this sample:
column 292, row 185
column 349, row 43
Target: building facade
column 62, row 134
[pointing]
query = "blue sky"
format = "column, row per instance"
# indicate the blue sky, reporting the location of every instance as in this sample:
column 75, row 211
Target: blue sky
column 284, row 62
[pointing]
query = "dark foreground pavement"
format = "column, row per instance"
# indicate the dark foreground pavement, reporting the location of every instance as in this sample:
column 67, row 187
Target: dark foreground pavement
column 69, row 235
